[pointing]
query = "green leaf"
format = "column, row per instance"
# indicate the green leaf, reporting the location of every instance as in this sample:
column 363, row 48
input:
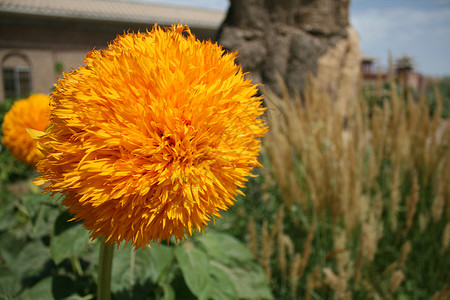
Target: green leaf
column 40, row 291
column 10, row 247
column 225, row 269
column 225, row 248
column 62, row 287
column 168, row 292
column 402, row 296
column 34, row 201
column 32, row 206
column 125, row 272
column 223, row 287
column 78, row 297
column 32, row 260
column 236, row 265
column 7, row 216
column 157, row 259
column 43, row 220
column 134, row 270
column 69, row 238
column 9, row 284
column 194, row 265
column 249, row 281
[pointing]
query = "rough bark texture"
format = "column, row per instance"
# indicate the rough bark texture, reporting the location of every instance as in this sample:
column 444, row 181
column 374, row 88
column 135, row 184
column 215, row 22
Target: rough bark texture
column 289, row 37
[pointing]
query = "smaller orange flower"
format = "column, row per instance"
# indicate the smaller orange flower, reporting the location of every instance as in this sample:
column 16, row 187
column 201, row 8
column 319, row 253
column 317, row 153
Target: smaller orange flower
column 30, row 113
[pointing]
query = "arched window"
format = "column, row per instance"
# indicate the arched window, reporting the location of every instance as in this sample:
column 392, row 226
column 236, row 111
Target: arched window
column 16, row 75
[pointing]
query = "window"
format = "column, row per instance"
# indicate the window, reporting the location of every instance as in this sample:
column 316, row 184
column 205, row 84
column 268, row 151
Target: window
column 17, row 81
column 16, row 76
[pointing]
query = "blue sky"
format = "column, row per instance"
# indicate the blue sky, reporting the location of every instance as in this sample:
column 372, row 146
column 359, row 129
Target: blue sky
column 418, row 28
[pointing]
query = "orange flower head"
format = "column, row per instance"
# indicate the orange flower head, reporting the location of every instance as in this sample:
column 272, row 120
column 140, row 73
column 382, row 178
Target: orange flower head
column 152, row 137
column 33, row 113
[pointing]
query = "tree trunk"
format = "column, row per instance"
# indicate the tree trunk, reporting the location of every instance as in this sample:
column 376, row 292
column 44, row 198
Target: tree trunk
column 294, row 38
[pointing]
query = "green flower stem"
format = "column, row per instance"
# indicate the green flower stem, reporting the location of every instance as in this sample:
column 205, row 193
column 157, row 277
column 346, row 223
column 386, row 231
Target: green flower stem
column 104, row 271
column 76, row 266
column 132, row 265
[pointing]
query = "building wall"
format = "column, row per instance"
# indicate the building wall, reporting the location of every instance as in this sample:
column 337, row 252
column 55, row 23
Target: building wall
column 44, row 42
column 42, row 63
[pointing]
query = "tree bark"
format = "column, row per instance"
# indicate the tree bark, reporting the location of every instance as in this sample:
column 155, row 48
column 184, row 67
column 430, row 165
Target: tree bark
column 292, row 38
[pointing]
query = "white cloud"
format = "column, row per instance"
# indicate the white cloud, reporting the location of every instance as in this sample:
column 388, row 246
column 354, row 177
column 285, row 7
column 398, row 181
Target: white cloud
column 423, row 34
column 209, row 4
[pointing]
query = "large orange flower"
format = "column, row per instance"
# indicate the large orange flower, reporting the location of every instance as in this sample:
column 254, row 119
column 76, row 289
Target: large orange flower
column 33, row 113
column 152, row 137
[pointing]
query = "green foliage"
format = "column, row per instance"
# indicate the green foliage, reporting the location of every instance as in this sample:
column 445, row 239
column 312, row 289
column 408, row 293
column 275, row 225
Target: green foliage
column 443, row 88
column 67, row 239
column 378, row 96
column 221, row 267
column 59, row 67
column 43, row 255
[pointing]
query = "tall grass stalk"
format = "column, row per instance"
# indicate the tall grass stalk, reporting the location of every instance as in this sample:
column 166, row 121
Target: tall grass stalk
column 365, row 197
